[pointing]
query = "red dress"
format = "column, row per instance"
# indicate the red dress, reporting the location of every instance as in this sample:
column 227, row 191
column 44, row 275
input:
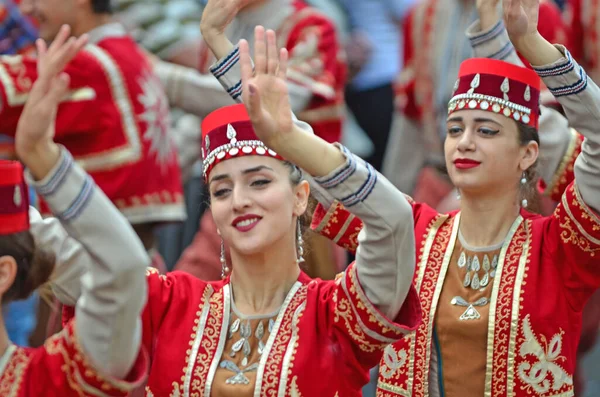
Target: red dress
column 60, row 368
column 534, row 334
column 546, row 272
column 115, row 122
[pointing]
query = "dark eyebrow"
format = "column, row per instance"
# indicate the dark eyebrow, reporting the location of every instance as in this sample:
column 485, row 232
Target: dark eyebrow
column 477, row 120
column 245, row 172
column 486, row 120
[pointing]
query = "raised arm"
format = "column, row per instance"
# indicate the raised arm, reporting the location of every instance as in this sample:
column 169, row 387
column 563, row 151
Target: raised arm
column 190, row 90
column 572, row 234
column 558, row 141
column 386, row 256
column 107, row 324
column 569, row 83
column 304, row 81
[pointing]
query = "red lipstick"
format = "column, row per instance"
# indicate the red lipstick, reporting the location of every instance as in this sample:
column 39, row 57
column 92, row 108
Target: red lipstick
column 246, row 223
column 465, row 164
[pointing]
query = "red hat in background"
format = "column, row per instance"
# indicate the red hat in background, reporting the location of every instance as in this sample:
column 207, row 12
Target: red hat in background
column 228, row 133
column 498, row 87
column 14, row 198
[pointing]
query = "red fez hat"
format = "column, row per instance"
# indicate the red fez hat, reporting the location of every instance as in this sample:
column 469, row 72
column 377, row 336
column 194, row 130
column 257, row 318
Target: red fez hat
column 14, row 198
column 498, row 87
column 228, row 133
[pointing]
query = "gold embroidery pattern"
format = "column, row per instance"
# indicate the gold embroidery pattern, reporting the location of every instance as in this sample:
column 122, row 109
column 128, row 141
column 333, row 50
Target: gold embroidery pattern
column 540, row 370
column 12, row 378
column 290, row 355
column 273, row 367
column 565, row 170
column 209, row 343
column 432, row 271
column 340, row 226
column 517, row 306
column 502, row 327
column 294, row 392
column 400, row 382
column 370, row 326
column 579, row 226
column 81, row 376
column 197, row 332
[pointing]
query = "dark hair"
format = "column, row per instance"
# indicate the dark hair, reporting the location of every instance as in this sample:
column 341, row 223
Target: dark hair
column 529, row 191
column 101, row 6
column 34, row 264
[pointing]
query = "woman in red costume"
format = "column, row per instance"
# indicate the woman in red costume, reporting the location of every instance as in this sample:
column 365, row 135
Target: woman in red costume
column 502, row 289
column 267, row 329
column 98, row 353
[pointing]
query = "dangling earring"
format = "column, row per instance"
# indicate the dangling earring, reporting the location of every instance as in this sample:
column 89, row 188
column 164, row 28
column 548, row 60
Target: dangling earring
column 299, row 243
column 224, row 268
column 457, row 194
column 523, row 183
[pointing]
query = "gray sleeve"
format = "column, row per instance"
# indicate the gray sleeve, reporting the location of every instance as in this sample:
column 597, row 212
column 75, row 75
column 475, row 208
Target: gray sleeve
column 555, row 134
column 71, row 257
column 385, row 258
column 580, row 99
column 113, row 287
column 228, row 72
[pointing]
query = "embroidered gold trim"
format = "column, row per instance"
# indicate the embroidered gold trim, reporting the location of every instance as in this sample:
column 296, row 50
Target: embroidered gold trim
column 290, row 355
column 278, row 339
column 499, row 280
column 344, row 228
column 198, row 332
column 517, row 307
column 222, row 339
column 325, row 221
column 208, row 345
column 581, row 237
column 434, row 229
column 436, row 296
column 559, row 175
column 365, row 305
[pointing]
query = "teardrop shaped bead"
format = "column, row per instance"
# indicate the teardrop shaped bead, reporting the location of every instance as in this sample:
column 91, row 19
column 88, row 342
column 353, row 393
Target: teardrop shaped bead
column 485, row 280
column 462, row 260
column 475, row 265
column 467, row 279
column 475, row 284
column 486, row 263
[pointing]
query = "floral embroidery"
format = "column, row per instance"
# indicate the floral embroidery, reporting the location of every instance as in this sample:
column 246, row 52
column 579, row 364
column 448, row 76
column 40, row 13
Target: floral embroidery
column 272, row 371
column 394, row 360
column 545, row 373
column 501, row 329
column 432, row 269
column 579, row 225
column 12, row 377
column 209, row 343
column 156, row 117
column 294, row 392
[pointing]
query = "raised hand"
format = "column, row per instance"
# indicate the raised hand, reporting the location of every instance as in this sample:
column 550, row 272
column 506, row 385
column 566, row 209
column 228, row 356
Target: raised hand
column 265, row 91
column 218, row 14
column 35, row 132
column 521, row 18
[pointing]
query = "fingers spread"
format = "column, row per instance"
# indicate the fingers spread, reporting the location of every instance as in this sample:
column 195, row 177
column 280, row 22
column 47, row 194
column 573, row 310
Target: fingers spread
column 260, row 50
column 245, row 64
column 272, row 53
column 283, row 62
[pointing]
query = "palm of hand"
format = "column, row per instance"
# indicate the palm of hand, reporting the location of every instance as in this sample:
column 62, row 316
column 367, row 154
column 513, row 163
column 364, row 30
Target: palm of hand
column 276, row 115
column 521, row 17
